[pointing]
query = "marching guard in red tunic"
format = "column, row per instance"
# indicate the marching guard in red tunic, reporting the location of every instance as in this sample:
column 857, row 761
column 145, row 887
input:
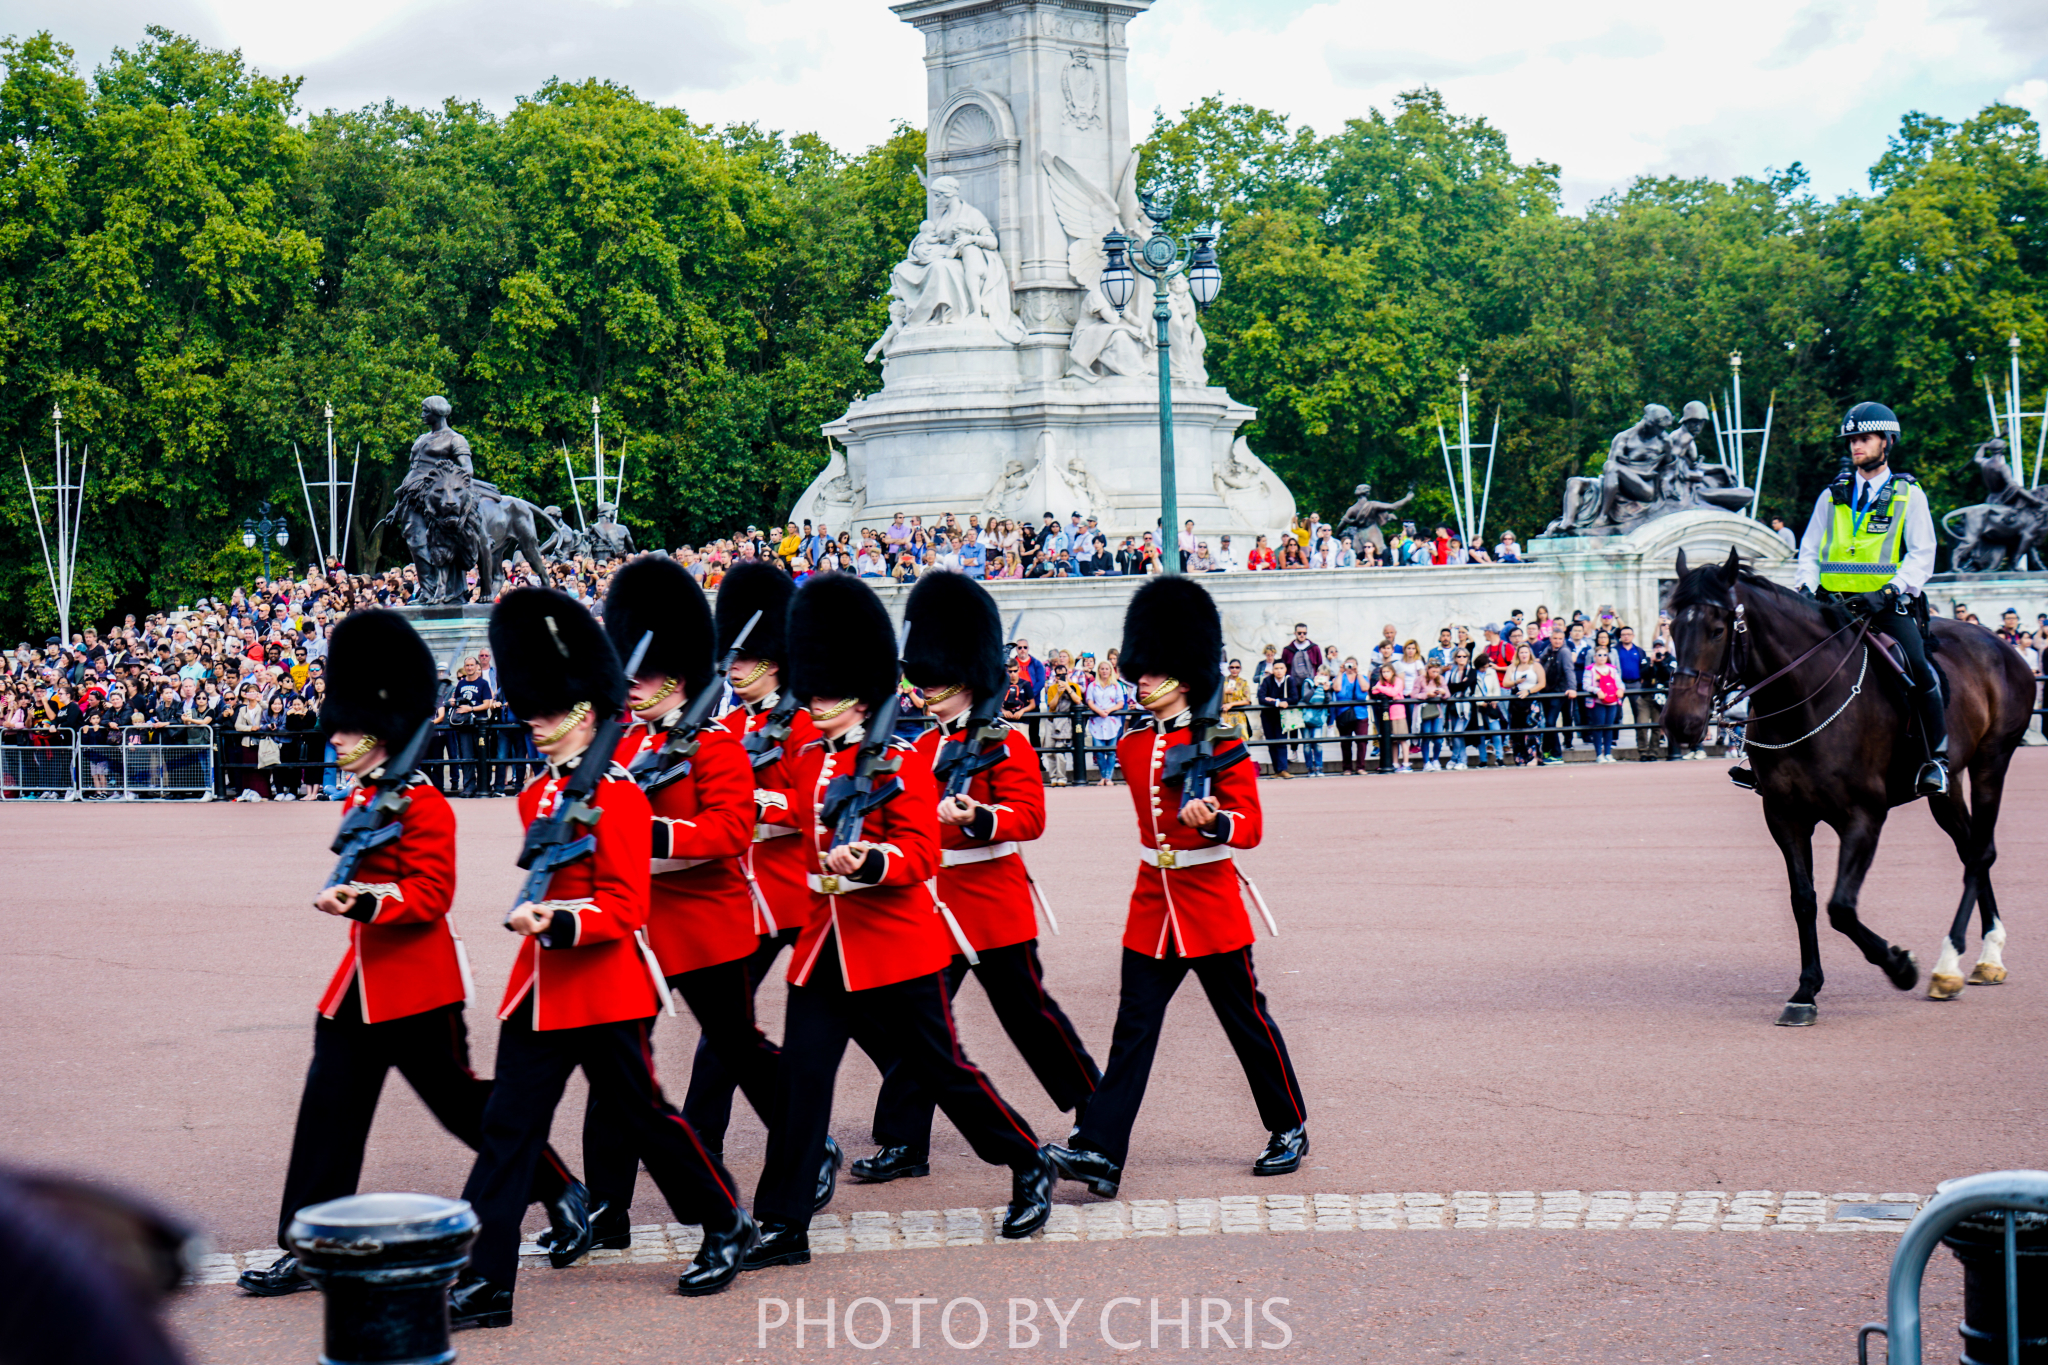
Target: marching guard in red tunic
column 1186, row 911
column 397, row 998
column 954, row 651
column 772, row 729
column 585, row 987
column 869, row 964
column 701, row 924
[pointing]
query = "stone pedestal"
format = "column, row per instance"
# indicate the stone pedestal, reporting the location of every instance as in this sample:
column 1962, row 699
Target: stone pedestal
column 451, row 631
column 979, row 413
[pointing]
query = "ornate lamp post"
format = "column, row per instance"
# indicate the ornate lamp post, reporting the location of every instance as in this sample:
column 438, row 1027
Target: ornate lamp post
column 265, row 528
column 1159, row 258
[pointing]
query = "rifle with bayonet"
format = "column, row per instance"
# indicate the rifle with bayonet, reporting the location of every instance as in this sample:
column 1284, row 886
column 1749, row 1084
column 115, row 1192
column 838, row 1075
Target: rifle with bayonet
column 657, row 768
column 851, row 797
column 566, row 834
column 376, row 823
column 1195, row 764
column 764, row 745
column 959, row 764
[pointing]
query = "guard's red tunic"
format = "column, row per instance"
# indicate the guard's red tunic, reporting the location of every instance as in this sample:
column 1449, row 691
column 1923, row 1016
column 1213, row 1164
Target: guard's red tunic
column 606, row 974
column 777, row 857
column 992, row 898
column 890, row 931
column 700, row 914
column 1194, row 911
column 406, row 958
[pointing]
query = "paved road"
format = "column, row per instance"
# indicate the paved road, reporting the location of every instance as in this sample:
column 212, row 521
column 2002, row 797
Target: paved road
column 1557, row 980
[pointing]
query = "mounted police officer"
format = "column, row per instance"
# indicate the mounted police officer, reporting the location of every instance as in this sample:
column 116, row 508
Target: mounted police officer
column 1871, row 544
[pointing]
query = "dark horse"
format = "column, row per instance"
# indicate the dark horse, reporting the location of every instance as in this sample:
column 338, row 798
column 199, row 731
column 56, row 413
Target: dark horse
column 1829, row 741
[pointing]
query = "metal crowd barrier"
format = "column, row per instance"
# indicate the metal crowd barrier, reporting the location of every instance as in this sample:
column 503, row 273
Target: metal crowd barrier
column 58, row 763
column 1376, row 737
column 38, row 765
column 1992, row 1307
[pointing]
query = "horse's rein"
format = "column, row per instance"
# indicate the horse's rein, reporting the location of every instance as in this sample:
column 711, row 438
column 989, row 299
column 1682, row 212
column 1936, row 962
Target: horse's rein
column 1727, row 680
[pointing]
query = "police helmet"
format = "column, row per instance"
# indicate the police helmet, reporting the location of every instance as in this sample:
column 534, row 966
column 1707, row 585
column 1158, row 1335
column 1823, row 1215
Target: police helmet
column 1871, row 417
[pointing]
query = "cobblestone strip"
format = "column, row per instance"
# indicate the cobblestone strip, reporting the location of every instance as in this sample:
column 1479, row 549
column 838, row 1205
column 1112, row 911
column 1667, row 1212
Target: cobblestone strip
column 1118, row 1220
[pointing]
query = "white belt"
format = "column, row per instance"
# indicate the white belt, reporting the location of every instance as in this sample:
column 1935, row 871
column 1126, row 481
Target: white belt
column 831, row 884
column 763, row 833
column 1173, row 859
column 657, row 866
column 959, row 857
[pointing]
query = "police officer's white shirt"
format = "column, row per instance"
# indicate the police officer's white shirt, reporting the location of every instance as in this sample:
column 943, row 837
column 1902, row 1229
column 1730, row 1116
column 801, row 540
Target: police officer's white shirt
column 1917, row 566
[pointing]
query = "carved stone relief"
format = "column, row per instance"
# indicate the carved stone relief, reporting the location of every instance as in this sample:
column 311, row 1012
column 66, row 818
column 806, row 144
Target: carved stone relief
column 1081, row 84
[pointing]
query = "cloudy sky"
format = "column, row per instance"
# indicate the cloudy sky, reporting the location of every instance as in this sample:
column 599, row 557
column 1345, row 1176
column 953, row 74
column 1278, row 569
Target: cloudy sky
column 1608, row 89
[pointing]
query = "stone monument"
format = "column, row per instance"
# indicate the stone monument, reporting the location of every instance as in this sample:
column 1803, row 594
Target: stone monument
column 1010, row 386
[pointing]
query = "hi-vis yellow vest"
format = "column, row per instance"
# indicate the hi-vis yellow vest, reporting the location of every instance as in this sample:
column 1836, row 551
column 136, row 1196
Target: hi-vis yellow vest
column 1865, row 557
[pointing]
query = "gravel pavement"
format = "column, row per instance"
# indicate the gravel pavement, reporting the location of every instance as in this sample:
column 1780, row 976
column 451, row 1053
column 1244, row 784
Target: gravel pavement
column 1497, row 983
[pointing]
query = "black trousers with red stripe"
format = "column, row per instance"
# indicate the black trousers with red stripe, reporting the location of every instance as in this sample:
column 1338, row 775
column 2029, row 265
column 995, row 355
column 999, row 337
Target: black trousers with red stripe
column 350, row 1061
column 707, row 1103
column 908, row 1021
column 1015, row 982
column 617, row 1060
column 1233, row 991
column 721, row 999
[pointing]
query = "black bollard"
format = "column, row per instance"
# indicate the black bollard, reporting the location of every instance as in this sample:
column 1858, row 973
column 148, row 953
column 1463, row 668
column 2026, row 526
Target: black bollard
column 1979, row 1243
column 384, row 1263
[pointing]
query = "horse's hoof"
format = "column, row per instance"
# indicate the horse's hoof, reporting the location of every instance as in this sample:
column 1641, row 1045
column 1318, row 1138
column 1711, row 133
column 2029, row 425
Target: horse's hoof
column 1796, row 1015
column 1986, row 974
column 1944, row 986
column 1903, row 969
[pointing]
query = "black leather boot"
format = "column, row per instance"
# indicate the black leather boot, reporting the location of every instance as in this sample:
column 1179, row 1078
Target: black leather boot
column 1743, row 776
column 780, row 1244
column 1030, row 1198
column 281, row 1277
column 1093, row 1169
column 1933, row 776
column 828, row 1175
column 478, row 1302
column 569, row 1225
column 891, row 1163
column 1283, row 1153
column 717, row 1262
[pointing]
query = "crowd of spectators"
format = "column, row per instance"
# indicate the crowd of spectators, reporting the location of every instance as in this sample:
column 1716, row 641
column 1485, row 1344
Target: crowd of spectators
column 242, row 677
column 1076, row 548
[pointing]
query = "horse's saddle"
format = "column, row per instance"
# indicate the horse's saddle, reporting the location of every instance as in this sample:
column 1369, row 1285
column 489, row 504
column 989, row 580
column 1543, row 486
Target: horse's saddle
column 1894, row 658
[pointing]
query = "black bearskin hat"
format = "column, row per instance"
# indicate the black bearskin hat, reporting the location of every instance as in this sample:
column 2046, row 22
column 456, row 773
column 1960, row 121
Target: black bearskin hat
column 750, row 586
column 552, row 654
column 656, row 593
column 381, row 678
column 841, row 642
column 1172, row 629
column 955, row 635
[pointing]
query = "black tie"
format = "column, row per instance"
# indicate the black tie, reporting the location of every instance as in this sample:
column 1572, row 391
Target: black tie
column 1862, row 498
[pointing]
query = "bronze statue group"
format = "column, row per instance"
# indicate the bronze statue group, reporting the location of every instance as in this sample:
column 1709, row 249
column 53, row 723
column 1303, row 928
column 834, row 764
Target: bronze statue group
column 673, row 852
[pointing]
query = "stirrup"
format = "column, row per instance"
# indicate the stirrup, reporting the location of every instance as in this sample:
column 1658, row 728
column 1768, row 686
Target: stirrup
column 1743, row 777
column 1933, row 778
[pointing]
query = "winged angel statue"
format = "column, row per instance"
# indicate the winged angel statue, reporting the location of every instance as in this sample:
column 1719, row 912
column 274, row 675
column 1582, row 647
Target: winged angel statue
column 952, row 271
column 1106, row 342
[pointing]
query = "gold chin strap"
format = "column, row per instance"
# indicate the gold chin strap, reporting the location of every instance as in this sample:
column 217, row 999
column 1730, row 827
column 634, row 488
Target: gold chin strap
column 761, row 667
column 951, row 690
column 578, row 713
column 668, row 689
column 1159, row 693
column 836, row 711
column 357, row 750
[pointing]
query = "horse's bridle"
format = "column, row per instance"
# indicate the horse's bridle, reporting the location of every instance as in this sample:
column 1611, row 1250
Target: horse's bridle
column 1727, row 678
column 1729, row 675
